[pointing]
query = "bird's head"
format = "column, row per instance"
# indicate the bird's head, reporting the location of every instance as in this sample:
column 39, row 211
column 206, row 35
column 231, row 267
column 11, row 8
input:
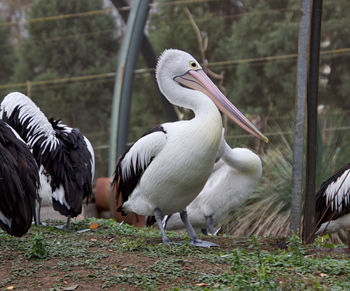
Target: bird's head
column 184, row 69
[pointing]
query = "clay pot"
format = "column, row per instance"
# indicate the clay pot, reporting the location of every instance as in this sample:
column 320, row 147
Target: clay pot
column 101, row 192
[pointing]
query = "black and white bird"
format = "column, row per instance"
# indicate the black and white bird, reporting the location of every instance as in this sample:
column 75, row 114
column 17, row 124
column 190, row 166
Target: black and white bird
column 333, row 202
column 65, row 157
column 19, row 182
column 235, row 176
column 166, row 168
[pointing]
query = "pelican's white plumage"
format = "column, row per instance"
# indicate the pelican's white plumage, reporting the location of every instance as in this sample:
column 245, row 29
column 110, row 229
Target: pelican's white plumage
column 166, row 168
column 234, row 178
column 64, row 155
column 333, row 202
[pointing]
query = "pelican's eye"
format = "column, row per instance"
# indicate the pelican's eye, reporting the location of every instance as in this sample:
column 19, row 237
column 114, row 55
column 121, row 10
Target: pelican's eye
column 193, row 65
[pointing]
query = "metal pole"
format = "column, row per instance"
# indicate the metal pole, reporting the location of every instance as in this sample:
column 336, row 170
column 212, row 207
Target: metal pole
column 312, row 100
column 123, row 85
column 300, row 101
column 124, row 80
column 151, row 61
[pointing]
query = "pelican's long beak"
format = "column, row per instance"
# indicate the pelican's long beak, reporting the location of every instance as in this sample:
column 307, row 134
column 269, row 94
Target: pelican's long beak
column 198, row 80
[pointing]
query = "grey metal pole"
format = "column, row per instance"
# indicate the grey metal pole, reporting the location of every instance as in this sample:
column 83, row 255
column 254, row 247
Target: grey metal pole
column 312, row 100
column 151, row 61
column 123, row 85
column 300, row 102
column 124, row 80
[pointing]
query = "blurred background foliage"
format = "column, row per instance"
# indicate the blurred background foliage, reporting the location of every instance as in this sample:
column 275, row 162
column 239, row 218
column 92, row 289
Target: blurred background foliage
column 64, row 55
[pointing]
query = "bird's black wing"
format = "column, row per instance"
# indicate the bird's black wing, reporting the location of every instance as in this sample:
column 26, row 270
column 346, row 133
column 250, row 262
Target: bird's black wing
column 19, row 182
column 70, row 164
column 132, row 164
column 335, row 191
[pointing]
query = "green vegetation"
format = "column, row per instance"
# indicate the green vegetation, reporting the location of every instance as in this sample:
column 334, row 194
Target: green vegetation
column 38, row 248
column 242, row 38
column 252, row 43
column 267, row 210
column 7, row 54
column 70, row 47
column 121, row 256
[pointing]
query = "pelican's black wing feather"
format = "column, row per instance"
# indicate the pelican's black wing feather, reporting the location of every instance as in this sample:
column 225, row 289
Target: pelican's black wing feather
column 19, row 182
column 335, row 190
column 132, row 164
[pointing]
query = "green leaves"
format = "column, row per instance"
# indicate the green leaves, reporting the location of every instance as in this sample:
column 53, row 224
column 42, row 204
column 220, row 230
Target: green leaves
column 38, row 249
column 119, row 256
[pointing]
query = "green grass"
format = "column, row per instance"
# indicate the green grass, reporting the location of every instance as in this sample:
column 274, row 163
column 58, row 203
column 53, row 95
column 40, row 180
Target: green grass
column 119, row 256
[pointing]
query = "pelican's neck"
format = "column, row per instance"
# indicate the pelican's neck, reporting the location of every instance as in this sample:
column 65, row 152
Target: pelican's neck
column 194, row 100
column 243, row 160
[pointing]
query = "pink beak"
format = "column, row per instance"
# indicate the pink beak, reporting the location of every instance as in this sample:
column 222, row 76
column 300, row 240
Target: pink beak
column 198, row 80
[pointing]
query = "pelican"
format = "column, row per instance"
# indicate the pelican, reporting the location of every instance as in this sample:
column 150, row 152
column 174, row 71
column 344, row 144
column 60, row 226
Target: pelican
column 234, row 177
column 333, row 202
column 163, row 171
column 65, row 157
column 19, row 182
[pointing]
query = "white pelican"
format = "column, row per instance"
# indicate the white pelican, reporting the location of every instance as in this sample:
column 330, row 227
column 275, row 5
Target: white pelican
column 19, row 182
column 333, row 202
column 234, row 178
column 64, row 155
column 165, row 169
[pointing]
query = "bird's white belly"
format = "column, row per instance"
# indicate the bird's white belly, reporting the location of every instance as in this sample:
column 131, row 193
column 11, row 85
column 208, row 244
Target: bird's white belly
column 45, row 191
column 175, row 177
column 172, row 192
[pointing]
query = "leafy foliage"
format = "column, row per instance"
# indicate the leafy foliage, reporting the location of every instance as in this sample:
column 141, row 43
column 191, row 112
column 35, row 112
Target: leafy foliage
column 71, row 47
column 267, row 210
column 38, row 248
column 120, row 256
column 7, row 54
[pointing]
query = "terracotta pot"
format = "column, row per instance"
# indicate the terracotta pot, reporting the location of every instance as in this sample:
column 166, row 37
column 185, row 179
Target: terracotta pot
column 101, row 192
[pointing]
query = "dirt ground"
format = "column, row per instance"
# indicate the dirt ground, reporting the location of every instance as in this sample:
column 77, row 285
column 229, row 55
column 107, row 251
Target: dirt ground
column 112, row 258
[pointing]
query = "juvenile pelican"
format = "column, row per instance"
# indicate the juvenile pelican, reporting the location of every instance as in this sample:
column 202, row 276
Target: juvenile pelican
column 65, row 157
column 234, row 178
column 19, row 182
column 165, row 169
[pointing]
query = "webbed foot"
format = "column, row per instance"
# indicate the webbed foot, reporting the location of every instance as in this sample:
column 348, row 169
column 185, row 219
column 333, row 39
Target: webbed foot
column 203, row 244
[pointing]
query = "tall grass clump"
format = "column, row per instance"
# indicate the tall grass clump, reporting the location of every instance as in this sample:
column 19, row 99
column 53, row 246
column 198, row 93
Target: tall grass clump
column 267, row 210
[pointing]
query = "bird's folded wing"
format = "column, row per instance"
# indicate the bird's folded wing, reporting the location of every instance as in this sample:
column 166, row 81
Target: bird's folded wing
column 134, row 162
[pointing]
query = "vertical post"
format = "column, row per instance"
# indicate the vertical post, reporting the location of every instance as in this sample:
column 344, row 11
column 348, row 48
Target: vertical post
column 124, row 80
column 300, row 102
column 123, row 85
column 312, row 100
column 151, row 61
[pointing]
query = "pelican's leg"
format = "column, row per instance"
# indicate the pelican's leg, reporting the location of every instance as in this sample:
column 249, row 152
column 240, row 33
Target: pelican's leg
column 37, row 213
column 158, row 216
column 195, row 241
column 68, row 223
column 209, row 220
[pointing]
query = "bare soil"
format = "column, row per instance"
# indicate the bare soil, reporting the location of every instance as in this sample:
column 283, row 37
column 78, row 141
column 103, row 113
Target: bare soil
column 103, row 260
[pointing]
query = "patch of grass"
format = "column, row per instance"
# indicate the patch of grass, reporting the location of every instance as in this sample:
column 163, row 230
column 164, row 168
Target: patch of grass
column 38, row 248
column 138, row 280
column 101, row 258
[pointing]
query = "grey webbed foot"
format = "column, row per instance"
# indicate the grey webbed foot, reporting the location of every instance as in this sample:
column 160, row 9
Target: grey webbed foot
column 195, row 241
column 65, row 226
column 203, row 244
